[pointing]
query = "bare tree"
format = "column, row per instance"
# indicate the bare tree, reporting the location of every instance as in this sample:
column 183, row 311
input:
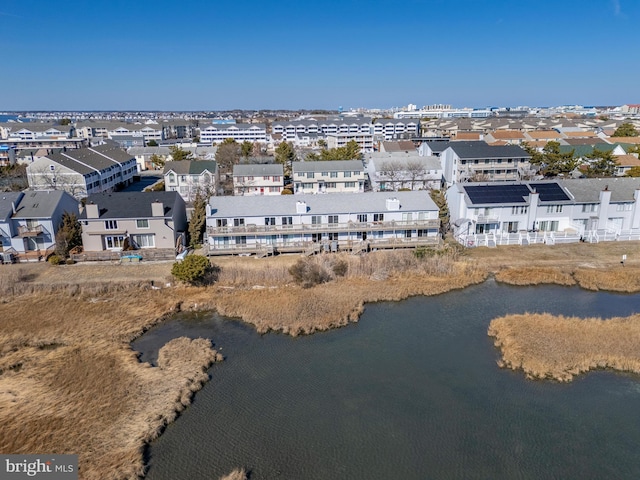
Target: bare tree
column 46, row 179
column 416, row 171
column 392, row 171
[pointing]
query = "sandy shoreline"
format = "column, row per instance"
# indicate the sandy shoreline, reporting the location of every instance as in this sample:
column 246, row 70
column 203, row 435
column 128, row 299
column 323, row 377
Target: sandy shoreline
column 80, row 328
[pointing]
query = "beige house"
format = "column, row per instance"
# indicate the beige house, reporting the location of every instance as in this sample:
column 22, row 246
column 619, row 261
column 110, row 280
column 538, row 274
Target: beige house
column 139, row 220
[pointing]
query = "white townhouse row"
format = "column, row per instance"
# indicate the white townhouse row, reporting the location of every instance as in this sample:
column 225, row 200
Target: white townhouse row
column 83, row 171
column 314, row 223
column 258, row 179
column 240, row 132
column 545, row 211
column 328, row 176
column 403, row 170
column 191, row 178
column 384, row 129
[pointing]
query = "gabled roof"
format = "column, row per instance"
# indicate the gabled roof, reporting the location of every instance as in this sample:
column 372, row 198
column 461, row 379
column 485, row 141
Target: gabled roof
column 628, row 161
column 328, row 166
column 334, row 203
column 258, row 170
column 507, row 135
column 6, row 201
column 85, row 160
column 131, row 204
column 399, row 146
column 484, row 150
column 190, row 167
column 39, row 204
column 587, row 190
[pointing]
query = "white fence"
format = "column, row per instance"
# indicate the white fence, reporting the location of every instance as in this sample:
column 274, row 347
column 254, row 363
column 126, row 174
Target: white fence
column 495, row 239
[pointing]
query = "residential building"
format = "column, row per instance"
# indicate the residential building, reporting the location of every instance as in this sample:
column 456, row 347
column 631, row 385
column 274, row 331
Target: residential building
column 329, row 176
column 136, row 220
column 240, row 132
column 30, row 220
column 7, row 155
column 522, row 213
column 466, row 161
column 314, row 223
column 143, row 155
column 258, row 179
column 338, row 140
column 190, row 178
column 394, row 128
column 83, row 171
column 396, row 171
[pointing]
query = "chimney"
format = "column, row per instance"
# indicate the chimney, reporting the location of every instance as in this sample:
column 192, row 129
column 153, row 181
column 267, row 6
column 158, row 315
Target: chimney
column 92, row 210
column 301, row 207
column 393, row 204
column 157, row 209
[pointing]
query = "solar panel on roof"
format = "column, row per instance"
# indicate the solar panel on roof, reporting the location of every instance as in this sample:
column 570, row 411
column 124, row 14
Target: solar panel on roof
column 480, row 194
column 550, row 192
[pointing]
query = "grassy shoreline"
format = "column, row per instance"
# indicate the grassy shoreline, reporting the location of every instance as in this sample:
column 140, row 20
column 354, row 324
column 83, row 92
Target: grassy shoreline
column 69, row 375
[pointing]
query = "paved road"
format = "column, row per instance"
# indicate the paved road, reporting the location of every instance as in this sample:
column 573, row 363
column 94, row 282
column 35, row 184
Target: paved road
column 146, row 178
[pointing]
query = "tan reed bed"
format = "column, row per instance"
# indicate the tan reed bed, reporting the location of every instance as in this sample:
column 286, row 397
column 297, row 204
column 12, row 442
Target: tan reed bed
column 556, row 347
column 237, row 474
column 70, row 383
column 535, row 276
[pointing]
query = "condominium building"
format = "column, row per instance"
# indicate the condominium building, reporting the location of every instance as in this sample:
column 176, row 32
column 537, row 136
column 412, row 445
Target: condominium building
column 240, row 132
column 332, row 176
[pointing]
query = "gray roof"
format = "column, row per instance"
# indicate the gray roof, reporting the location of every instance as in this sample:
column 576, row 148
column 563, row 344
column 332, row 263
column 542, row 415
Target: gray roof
column 329, row 166
column 131, row 204
column 481, row 149
column 587, row 190
column 85, row 160
column 333, row 203
column 438, row 146
column 190, row 167
column 258, row 169
column 39, row 204
column 40, row 127
column 239, row 126
column 428, row 163
column 6, row 199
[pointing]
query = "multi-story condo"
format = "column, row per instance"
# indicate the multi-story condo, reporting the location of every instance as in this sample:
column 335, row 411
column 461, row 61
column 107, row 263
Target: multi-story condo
column 258, row 179
column 364, row 140
column 469, row 161
column 331, row 176
column 332, row 125
column 390, row 129
column 314, row 223
column 399, row 170
column 239, row 132
column 521, row 213
column 22, row 136
column 83, row 171
column 190, row 178
column 138, row 220
column 30, row 220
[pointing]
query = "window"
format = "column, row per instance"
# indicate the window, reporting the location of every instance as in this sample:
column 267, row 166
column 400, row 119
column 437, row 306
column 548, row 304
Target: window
column 330, row 185
column 347, row 174
column 172, row 178
column 221, row 222
column 378, row 217
column 113, row 242
column 270, row 220
column 145, row 240
column 519, row 210
column 110, row 225
column 276, row 178
column 554, row 208
column 549, row 226
column 287, row 220
column 362, row 218
column 307, row 185
column 510, row 227
column 274, row 189
column 589, row 207
column 349, row 184
column 333, row 175
column 324, row 174
column 238, row 222
column 310, row 175
column 332, row 219
column 316, row 219
column 142, row 223
column 623, row 207
column 265, row 178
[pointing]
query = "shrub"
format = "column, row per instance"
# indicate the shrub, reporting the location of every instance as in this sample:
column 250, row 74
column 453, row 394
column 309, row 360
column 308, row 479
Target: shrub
column 70, row 261
column 55, row 259
column 286, row 191
column 340, row 268
column 307, row 273
column 195, row 270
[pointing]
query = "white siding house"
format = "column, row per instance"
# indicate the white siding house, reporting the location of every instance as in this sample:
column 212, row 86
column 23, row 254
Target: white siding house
column 330, row 176
column 258, row 179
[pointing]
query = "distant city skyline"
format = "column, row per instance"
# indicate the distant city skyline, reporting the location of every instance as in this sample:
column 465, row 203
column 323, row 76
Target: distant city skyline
column 204, row 56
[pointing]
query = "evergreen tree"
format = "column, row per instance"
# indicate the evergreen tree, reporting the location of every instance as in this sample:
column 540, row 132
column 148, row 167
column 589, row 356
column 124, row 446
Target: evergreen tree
column 626, row 130
column 198, row 220
column 69, row 234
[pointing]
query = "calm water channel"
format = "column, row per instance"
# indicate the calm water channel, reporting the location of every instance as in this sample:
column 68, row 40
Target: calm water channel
column 412, row 391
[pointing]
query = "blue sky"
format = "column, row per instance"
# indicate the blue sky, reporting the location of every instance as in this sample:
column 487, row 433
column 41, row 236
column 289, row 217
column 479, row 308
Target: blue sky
column 213, row 55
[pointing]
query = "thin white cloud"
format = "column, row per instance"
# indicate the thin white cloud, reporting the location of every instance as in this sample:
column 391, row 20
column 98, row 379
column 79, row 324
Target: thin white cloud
column 617, row 10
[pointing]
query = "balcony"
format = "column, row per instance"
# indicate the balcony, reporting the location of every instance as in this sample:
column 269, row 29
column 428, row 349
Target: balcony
column 30, row 231
column 324, row 227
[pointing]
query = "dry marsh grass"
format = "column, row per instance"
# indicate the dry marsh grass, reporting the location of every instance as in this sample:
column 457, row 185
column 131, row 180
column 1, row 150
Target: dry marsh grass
column 535, row 276
column 556, row 347
column 70, row 383
column 237, row 474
